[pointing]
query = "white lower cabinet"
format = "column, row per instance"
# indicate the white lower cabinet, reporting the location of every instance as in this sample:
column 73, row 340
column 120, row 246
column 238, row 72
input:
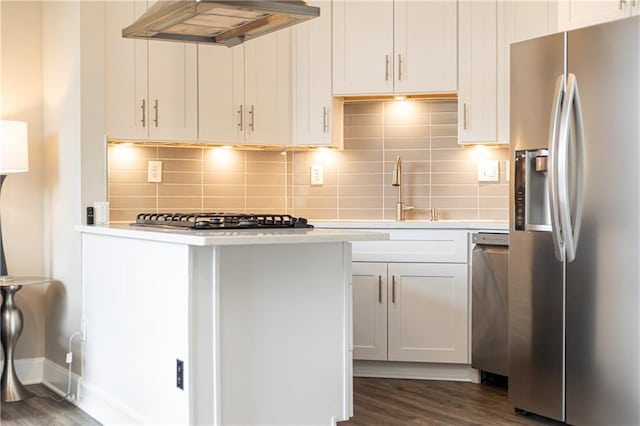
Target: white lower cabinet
column 410, row 312
column 369, row 310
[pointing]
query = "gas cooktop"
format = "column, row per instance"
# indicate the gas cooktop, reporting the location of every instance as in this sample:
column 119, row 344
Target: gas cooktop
column 220, row 220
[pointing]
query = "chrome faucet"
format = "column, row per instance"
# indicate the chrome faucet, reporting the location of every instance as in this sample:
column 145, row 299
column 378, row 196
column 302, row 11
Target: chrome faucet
column 397, row 181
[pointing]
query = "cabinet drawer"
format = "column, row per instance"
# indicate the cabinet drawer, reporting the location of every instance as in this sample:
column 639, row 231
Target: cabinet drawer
column 414, row 246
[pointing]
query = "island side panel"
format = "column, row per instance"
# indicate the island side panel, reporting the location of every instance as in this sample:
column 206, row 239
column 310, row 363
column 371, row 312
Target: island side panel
column 204, row 342
column 136, row 304
column 284, row 330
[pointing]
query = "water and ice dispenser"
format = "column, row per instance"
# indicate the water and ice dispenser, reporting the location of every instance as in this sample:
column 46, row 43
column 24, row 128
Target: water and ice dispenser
column 531, row 191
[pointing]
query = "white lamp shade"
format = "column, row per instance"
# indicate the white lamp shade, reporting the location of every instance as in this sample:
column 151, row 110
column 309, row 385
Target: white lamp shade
column 14, row 147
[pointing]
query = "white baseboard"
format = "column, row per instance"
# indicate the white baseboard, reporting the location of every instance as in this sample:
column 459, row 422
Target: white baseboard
column 55, row 378
column 102, row 407
column 29, row 370
column 106, row 408
column 414, row 370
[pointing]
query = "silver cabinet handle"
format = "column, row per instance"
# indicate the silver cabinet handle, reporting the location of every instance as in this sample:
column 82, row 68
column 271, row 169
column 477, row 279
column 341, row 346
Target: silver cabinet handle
column 143, row 107
column 623, row 4
column 241, row 117
column 464, row 116
column 155, row 109
column 399, row 67
column 252, row 118
column 553, row 170
column 386, row 67
column 379, row 288
column 393, row 289
column 325, row 119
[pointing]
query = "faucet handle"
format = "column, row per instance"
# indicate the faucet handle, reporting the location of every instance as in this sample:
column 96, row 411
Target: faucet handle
column 405, row 208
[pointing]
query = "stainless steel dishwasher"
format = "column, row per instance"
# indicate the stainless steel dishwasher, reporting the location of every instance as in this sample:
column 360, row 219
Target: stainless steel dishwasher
column 489, row 280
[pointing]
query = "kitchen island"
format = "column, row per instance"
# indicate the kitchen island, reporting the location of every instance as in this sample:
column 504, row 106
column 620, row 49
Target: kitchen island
column 217, row 327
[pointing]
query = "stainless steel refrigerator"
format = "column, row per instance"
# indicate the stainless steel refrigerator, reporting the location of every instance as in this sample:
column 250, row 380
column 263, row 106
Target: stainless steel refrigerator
column 574, row 264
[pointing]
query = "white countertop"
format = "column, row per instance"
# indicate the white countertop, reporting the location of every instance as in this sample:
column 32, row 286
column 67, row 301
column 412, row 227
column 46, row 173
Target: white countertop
column 233, row 237
column 410, row 224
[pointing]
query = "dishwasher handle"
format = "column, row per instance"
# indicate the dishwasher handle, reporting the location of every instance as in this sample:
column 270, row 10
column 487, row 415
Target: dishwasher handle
column 490, row 239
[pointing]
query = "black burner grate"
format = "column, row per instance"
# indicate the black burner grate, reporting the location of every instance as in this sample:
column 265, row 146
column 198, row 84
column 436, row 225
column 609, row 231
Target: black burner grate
column 221, row 220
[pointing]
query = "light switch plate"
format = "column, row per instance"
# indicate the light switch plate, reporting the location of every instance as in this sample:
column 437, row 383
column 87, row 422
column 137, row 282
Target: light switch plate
column 488, row 171
column 154, row 171
column 317, row 174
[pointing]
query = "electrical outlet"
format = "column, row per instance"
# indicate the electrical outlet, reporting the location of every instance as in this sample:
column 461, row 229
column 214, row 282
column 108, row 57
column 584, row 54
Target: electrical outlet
column 180, row 374
column 154, row 171
column 317, row 174
column 488, row 171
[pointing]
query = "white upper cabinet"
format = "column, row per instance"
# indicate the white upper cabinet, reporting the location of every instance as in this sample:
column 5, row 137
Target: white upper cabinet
column 221, row 94
column 173, row 91
column 126, row 95
column 477, row 72
column 268, row 89
column 386, row 47
column 425, row 34
column 582, row 13
column 524, row 20
column 362, row 47
column 245, row 92
column 317, row 116
column 151, row 86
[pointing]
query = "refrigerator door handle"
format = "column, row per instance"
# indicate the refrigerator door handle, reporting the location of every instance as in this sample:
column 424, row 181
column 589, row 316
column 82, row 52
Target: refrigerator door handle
column 554, row 128
column 571, row 108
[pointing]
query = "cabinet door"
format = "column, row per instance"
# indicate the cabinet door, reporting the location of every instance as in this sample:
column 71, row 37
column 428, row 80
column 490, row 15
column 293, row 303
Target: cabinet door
column 428, row 317
column 312, row 79
column 477, row 91
column 362, row 47
column 517, row 21
column 369, row 311
column 173, row 91
column 268, row 93
column 126, row 104
column 221, row 94
column 580, row 13
column 528, row 19
column 425, row 46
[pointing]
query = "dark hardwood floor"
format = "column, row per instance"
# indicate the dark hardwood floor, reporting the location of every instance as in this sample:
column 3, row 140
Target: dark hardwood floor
column 383, row 402
column 428, row 402
column 41, row 410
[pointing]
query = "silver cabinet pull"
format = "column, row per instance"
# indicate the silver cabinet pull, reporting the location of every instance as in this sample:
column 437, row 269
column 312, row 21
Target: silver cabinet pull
column 464, row 116
column 325, row 119
column 252, row 118
column 623, row 4
column 155, row 109
column 386, row 67
column 399, row 67
column 241, row 117
column 379, row 288
column 393, row 289
column 143, row 107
